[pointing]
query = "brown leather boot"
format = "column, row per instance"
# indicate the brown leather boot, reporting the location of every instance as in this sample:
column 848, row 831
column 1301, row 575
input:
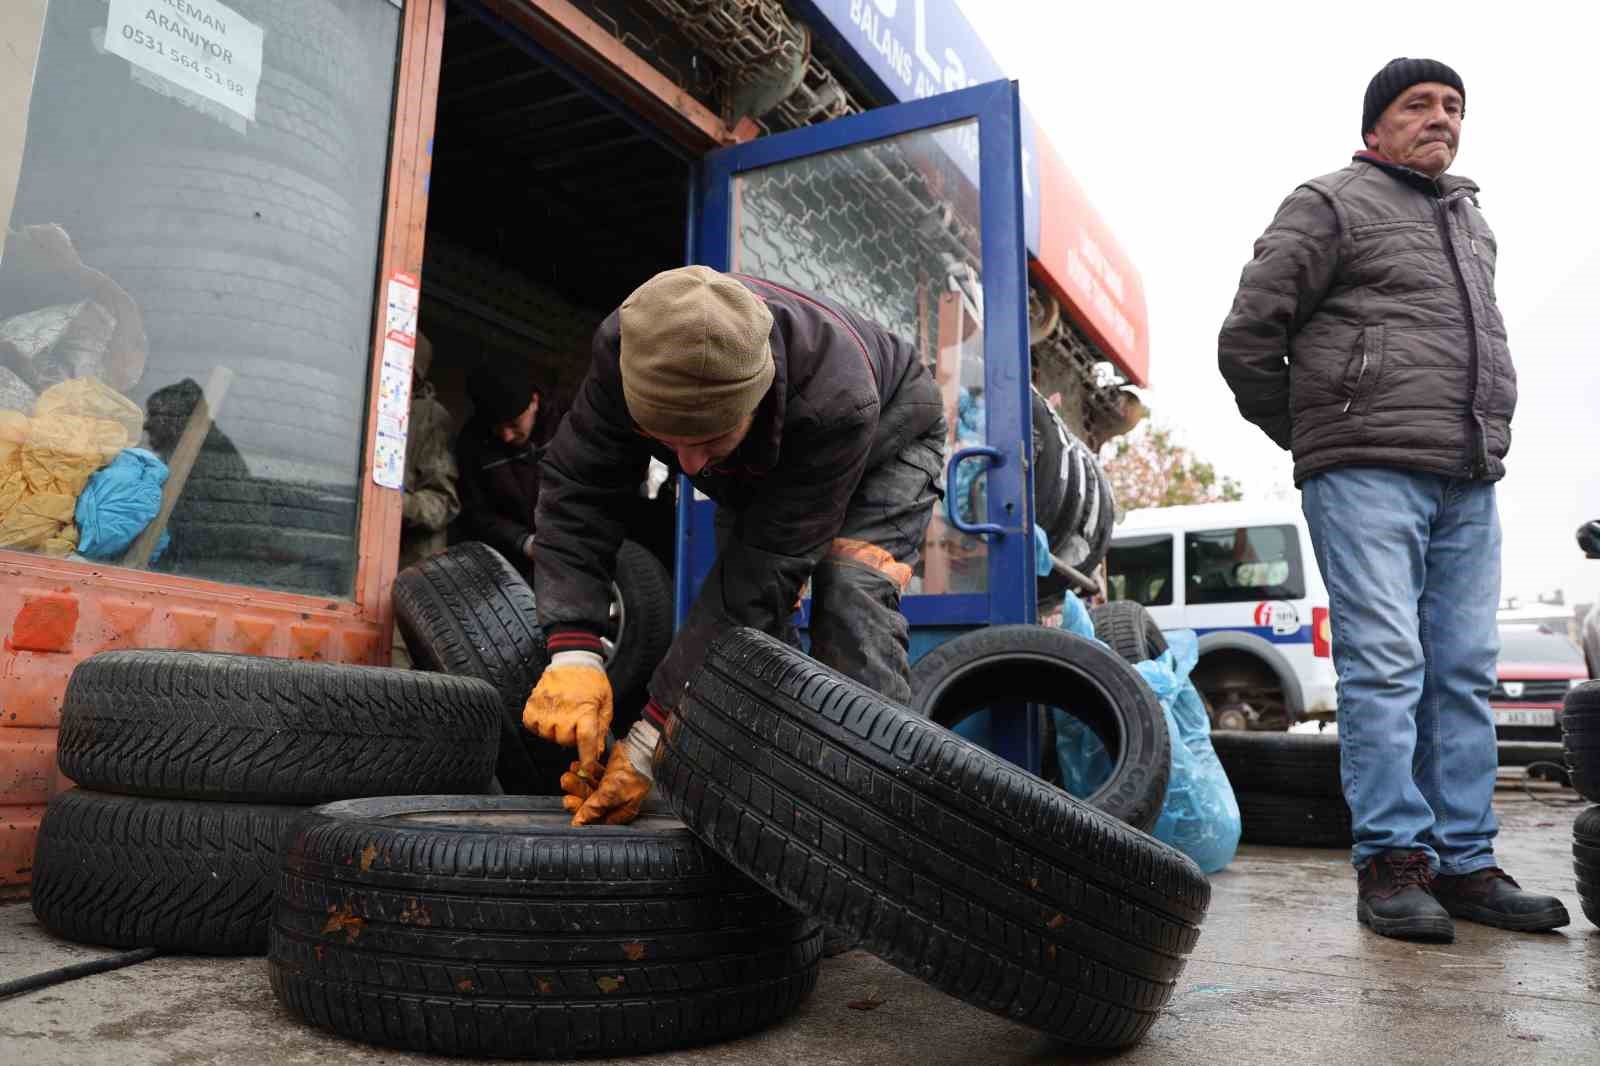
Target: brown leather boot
column 1490, row 897
column 1392, row 898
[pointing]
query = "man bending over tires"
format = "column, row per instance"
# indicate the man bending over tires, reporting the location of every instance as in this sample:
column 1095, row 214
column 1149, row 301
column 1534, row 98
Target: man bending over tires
column 821, row 438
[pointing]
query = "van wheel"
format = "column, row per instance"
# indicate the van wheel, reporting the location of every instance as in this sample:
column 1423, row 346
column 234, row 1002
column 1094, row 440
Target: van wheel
column 1234, row 717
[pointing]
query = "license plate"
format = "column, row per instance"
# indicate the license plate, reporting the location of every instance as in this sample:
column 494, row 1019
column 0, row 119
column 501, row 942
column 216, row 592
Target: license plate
column 1525, row 716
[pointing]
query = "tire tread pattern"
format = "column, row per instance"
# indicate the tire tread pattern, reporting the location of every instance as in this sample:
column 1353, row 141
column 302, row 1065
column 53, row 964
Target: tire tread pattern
column 126, row 871
column 204, row 725
column 941, row 858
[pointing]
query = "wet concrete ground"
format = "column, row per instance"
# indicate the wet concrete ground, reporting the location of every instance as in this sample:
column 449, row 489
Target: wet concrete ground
column 1282, row 975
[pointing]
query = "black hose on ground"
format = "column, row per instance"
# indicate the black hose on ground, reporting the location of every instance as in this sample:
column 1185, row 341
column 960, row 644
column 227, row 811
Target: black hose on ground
column 36, row 981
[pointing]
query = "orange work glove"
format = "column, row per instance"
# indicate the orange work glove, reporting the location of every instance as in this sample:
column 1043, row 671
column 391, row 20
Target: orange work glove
column 580, row 781
column 623, row 787
column 571, row 704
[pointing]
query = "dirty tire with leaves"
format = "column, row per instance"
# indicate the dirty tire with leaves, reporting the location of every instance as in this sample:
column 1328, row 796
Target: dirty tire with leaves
column 243, row 729
column 489, row 926
column 945, row 860
column 129, row 871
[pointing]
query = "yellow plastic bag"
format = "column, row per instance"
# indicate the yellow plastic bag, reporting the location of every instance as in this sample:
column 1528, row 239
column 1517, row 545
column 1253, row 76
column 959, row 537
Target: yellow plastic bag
column 13, row 431
column 62, row 451
column 38, row 519
column 91, row 398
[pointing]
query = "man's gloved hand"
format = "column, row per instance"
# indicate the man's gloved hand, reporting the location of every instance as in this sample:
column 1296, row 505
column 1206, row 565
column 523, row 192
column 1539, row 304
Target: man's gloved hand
column 623, row 787
column 571, row 705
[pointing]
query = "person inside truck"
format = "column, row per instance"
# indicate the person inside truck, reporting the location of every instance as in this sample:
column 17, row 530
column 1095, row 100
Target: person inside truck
column 820, row 436
column 498, row 456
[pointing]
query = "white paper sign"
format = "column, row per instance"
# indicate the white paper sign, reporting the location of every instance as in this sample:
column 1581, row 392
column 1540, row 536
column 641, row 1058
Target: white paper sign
column 201, row 45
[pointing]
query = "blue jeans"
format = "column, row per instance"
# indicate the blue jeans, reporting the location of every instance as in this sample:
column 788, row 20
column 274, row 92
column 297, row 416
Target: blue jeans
column 1412, row 565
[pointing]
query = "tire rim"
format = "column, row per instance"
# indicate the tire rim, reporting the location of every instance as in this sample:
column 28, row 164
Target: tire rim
column 616, row 624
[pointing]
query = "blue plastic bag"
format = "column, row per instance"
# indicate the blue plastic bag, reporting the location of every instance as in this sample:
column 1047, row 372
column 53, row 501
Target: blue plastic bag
column 120, row 499
column 1201, row 815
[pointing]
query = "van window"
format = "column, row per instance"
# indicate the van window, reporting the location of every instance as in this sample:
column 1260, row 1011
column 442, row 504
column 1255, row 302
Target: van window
column 1242, row 564
column 1140, row 569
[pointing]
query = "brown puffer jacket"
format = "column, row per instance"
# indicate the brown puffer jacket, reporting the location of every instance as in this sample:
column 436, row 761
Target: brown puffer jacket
column 847, row 397
column 1365, row 329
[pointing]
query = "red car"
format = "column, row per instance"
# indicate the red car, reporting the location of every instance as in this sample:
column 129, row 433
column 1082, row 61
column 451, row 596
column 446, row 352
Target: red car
column 1537, row 668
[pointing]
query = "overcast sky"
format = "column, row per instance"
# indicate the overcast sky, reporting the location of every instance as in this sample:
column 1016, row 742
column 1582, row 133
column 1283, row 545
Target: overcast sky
column 1187, row 124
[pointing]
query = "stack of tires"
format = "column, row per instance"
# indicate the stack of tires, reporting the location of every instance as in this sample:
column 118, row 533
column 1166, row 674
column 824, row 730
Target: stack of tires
column 1580, row 735
column 789, row 799
column 469, row 612
column 1288, row 787
column 192, row 769
column 1072, row 499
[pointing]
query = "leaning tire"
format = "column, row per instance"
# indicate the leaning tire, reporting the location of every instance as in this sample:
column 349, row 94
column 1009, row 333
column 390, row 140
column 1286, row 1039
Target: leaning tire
column 1580, row 735
column 641, row 632
column 467, row 612
column 1294, row 821
column 1295, row 764
column 128, row 871
column 1586, row 862
column 1129, row 630
column 1049, row 455
column 943, row 859
column 202, row 725
column 489, row 926
column 1035, row 664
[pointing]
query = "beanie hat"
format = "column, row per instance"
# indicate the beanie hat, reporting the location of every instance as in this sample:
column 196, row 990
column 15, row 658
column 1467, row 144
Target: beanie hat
column 696, row 356
column 1396, row 77
column 501, row 389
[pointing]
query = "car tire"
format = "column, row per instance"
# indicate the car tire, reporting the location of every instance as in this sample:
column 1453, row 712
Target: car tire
column 466, row 611
column 941, row 858
column 1075, row 501
column 242, row 729
column 1129, row 630
column 1586, row 862
column 180, row 875
column 1049, row 452
column 489, row 926
column 1292, row 764
column 642, row 631
column 1580, row 737
column 1282, row 820
column 1036, row 664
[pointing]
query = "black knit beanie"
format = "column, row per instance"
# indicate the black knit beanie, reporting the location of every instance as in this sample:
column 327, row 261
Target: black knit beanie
column 1396, row 77
column 501, row 389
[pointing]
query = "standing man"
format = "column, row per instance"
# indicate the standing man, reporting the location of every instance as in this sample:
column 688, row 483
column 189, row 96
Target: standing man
column 821, row 438
column 1365, row 338
column 431, row 502
column 499, row 453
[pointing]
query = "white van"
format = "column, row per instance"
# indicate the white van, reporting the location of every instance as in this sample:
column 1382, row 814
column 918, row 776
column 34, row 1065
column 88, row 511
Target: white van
column 1243, row 577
